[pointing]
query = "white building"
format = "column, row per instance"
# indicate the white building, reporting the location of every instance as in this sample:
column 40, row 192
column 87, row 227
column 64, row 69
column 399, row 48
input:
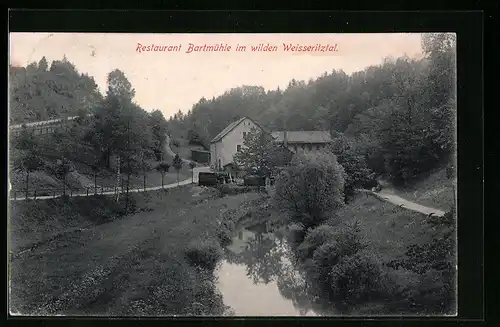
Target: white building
column 228, row 142
column 225, row 145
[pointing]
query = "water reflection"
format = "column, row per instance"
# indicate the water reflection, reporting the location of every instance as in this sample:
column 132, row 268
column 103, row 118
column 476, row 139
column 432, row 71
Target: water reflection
column 259, row 276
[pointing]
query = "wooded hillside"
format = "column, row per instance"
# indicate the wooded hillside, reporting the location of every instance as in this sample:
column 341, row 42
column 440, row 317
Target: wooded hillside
column 398, row 116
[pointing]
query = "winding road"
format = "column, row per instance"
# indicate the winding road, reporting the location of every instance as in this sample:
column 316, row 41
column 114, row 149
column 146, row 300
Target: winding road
column 389, row 196
column 187, row 181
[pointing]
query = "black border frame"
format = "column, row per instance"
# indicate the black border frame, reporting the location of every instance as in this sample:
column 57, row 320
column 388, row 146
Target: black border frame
column 469, row 28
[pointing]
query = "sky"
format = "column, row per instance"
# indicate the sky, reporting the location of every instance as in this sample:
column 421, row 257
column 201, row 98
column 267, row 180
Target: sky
column 175, row 80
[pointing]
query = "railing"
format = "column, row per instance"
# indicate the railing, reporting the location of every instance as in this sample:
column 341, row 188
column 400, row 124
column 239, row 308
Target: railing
column 50, row 193
column 47, row 193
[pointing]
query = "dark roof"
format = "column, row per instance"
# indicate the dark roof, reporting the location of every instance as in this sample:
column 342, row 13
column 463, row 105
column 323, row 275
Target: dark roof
column 303, row 136
column 230, row 127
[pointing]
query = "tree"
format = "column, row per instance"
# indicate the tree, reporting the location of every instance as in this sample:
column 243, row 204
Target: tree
column 163, row 168
column 95, row 170
column 310, row 188
column 43, row 65
column 159, row 129
column 353, row 159
column 258, row 154
column 28, row 162
column 62, row 169
column 177, row 164
column 144, row 167
column 192, row 165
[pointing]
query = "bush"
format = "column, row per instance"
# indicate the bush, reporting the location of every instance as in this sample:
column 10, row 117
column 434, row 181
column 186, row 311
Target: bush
column 324, row 257
column 349, row 239
column 204, row 254
column 296, row 235
column 224, row 234
column 310, row 188
column 314, row 239
column 356, row 279
column 353, row 160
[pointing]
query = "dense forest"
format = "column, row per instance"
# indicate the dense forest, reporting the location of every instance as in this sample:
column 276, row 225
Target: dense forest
column 117, row 125
column 396, row 118
column 39, row 92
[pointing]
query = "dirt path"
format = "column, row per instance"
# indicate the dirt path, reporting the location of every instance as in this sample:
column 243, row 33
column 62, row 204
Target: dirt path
column 170, row 152
column 389, row 196
column 187, row 181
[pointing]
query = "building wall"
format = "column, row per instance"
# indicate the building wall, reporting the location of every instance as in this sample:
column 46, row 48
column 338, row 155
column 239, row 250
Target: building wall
column 225, row 149
column 306, row 147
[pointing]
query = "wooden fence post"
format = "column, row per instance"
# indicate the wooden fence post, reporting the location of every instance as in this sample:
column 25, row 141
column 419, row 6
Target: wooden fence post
column 70, row 192
column 15, row 195
column 87, row 191
column 34, row 195
column 54, row 193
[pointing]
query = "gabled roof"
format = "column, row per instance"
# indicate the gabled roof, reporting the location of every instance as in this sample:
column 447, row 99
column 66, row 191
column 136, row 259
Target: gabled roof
column 230, row 127
column 303, row 136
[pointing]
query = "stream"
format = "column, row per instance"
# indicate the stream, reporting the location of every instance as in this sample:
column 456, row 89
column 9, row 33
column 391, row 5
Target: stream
column 257, row 277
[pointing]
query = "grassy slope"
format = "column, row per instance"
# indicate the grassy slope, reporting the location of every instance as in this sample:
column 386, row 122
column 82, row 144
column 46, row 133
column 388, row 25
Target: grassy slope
column 433, row 190
column 184, row 148
column 387, row 227
column 83, row 176
column 136, row 263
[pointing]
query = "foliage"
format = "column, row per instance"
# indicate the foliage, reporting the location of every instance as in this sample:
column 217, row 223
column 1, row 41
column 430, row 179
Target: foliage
column 434, row 262
column 177, row 162
column 39, row 93
column 29, row 161
column 400, row 112
column 258, row 155
column 356, row 279
column 314, row 239
column 310, row 188
column 353, row 159
column 204, row 254
column 158, row 125
column 163, row 167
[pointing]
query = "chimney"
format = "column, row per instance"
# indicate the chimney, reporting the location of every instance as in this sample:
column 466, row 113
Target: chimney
column 285, row 139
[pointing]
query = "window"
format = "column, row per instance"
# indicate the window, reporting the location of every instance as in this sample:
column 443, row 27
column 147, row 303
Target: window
column 244, row 134
column 295, row 148
column 318, row 147
column 238, row 148
column 310, row 147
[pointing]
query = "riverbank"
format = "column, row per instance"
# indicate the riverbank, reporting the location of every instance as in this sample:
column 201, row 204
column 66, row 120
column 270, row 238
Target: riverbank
column 403, row 273
column 139, row 263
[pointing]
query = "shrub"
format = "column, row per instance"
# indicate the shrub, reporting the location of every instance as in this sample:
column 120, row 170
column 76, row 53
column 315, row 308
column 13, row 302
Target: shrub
column 314, row 239
column 348, row 238
column 356, row 279
column 310, row 188
column 353, row 159
column 224, row 234
column 204, row 254
column 324, row 257
column 296, row 235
